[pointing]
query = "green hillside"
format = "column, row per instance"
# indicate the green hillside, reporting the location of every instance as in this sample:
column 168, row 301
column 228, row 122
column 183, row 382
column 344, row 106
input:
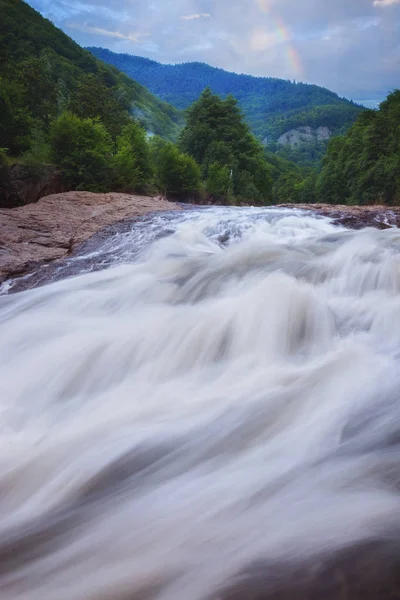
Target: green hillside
column 272, row 106
column 43, row 73
column 363, row 166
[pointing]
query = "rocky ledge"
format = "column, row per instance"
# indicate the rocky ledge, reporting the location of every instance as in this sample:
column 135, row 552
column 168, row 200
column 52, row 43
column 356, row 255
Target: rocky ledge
column 50, row 229
column 355, row 217
column 35, row 234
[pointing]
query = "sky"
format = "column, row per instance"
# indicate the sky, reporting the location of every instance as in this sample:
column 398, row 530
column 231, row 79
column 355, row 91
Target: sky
column 349, row 46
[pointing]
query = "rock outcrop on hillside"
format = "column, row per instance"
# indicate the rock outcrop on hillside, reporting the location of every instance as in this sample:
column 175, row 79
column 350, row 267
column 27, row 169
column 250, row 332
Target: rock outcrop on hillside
column 303, row 135
column 51, row 228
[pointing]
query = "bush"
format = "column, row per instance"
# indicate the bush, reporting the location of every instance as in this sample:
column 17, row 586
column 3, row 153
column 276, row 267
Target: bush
column 82, row 149
column 131, row 163
column 39, row 150
column 219, row 182
column 3, row 157
column 175, row 172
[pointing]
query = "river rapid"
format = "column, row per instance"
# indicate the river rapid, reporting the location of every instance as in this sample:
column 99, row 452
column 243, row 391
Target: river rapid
column 213, row 414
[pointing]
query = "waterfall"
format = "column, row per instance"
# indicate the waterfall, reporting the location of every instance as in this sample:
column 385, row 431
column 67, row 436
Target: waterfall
column 213, row 414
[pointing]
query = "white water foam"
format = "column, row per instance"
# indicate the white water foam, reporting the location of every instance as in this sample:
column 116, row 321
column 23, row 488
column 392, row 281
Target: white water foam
column 168, row 422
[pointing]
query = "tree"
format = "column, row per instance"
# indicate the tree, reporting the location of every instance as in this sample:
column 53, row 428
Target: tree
column 82, row 149
column 175, row 172
column 15, row 121
column 219, row 182
column 38, row 78
column 363, row 166
column 95, row 100
column 331, row 186
column 216, row 134
column 221, row 153
column 131, row 163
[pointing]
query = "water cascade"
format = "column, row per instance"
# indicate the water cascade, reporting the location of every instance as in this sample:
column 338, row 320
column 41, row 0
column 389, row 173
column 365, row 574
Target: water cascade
column 214, row 415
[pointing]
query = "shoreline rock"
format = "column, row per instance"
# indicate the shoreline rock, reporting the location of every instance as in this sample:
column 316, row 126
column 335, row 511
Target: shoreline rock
column 354, row 217
column 51, row 228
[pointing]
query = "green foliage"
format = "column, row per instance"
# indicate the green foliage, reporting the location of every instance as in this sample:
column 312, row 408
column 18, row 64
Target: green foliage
column 38, row 79
column 308, row 154
column 271, row 106
column 332, row 186
column 288, row 187
column 308, row 191
column 43, row 73
column 39, row 149
column 82, row 149
column 291, row 183
column 15, row 122
column 363, row 166
column 176, row 173
column 216, row 134
column 94, row 99
column 131, row 163
column 338, row 117
column 219, row 182
column 3, row 157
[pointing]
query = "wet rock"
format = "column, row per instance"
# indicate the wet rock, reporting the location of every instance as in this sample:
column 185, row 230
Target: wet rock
column 369, row 570
column 34, row 234
column 355, row 217
column 224, row 238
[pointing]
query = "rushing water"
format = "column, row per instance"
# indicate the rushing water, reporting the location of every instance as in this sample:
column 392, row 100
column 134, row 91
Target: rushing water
column 213, row 416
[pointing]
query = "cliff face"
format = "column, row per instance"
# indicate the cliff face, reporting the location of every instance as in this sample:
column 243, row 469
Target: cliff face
column 302, row 135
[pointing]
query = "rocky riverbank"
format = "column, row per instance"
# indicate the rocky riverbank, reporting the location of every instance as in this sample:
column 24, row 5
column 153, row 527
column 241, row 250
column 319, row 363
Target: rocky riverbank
column 50, row 229
column 54, row 227
column 355, row 217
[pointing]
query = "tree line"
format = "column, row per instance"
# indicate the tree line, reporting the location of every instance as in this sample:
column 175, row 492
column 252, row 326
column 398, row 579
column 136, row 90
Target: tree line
column 363, row 166
column 360, row 167
column 216, row 157
column 218, row 160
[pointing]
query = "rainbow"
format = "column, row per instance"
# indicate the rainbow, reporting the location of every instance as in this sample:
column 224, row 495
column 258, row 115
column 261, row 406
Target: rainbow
column 285, row 38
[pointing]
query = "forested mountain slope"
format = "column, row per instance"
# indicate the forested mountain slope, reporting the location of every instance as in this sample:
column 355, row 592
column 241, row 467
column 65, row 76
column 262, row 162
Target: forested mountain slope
column 43, row 72
column 272, row 106
column 363, row 166
column 62, row 108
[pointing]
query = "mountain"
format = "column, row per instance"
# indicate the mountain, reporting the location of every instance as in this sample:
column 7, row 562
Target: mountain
column 272, row 106
column 43, row 72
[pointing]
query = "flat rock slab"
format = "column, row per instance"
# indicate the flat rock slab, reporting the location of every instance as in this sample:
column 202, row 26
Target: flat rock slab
column 51, row 228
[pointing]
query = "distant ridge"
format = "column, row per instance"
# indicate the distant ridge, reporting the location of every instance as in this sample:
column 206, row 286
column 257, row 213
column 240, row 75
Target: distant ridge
column 272, row 106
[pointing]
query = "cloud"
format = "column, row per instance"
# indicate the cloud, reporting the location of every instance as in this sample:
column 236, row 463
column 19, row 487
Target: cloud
column 350, row 46
column 385, row 2
column 132, row 37
column 196, row 16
